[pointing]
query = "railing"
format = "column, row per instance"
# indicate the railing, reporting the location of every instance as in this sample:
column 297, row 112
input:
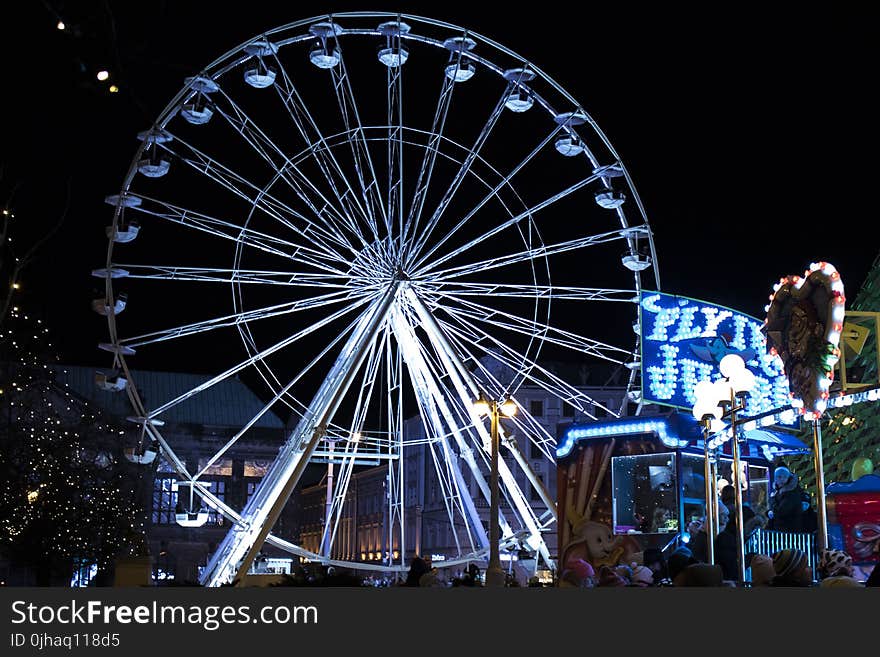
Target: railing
column 765, row 541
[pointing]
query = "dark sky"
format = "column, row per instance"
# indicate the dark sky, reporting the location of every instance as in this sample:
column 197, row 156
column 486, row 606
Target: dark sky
column 751, row 137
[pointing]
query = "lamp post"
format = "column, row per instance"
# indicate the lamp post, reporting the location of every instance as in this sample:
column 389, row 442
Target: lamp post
column 717, row 401
column 709, row 414
column 483, row 406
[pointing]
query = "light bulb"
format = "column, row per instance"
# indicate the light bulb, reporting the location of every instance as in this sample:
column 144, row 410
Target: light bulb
column 721, row 391
column 731, row 364
column 481, row 404
column 508, row 407
column 743, row 381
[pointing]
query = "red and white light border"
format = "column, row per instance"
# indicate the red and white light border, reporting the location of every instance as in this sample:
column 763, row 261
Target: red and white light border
column 819, row 273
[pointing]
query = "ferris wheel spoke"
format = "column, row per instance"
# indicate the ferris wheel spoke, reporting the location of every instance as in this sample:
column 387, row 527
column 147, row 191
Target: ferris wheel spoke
column 530, row 370
column 460, row 175
column 288, row 172
column 360, row 151
column 235, row 319
column 529, row 291
column 233, row 232
column 323, row 155
column 512, row 221
column 257, row 197
column 291, row 339
column 525, row 255
column 395, row 148
column 472, row 311
column 247, row 276
column 428, row 161
column 506, row 181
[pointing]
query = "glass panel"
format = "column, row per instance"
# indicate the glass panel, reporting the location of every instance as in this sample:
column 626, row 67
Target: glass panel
column 759, row 489
column 693, row 488
column 645, row 495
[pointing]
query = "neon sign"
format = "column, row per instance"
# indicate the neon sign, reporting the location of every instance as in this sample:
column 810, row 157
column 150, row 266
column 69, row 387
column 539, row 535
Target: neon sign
column 683, row 340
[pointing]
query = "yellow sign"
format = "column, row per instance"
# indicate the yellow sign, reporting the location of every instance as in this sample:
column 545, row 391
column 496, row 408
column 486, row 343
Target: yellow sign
column 854, row 336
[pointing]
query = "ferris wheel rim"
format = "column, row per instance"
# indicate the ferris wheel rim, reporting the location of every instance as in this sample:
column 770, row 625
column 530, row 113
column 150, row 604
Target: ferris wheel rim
column 231, row 55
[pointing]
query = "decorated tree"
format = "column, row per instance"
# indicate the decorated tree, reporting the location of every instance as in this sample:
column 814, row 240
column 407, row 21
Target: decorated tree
column 851, row 432
column 68, row 497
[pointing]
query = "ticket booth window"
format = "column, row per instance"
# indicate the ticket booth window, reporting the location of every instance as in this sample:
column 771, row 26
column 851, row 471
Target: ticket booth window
column 645, row 494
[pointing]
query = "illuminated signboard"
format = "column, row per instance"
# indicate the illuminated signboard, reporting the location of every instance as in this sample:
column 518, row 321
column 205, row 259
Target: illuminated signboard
column 683, row 340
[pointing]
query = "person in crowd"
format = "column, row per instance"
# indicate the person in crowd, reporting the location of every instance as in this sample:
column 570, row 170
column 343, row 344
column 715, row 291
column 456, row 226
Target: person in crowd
column 660, row 519
column 680, row 559
column 699, row 574
column 786, row 502
column 609, row 577
column 792, row 567
column 585, row 572
column 750, row 519
column 835, row 568
column 699, row 540
column 653, row 559
column 417, row 567
column 642, row 576
column 762, row 569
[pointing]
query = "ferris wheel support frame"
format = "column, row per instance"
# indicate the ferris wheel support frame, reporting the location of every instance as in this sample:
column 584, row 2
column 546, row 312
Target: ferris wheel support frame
column 264, row 507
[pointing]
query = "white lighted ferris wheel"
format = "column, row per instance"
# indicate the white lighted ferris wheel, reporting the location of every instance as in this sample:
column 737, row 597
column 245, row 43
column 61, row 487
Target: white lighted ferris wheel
column 359, row 209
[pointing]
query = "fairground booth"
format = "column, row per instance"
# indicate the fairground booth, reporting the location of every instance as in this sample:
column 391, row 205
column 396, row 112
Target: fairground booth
column 633, row 483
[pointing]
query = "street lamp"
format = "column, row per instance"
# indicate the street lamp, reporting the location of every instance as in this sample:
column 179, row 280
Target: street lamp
column 494, row 409
column 715, row 402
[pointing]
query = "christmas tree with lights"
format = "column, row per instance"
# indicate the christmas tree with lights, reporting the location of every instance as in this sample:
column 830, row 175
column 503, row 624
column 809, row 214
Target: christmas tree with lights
column 68, row 497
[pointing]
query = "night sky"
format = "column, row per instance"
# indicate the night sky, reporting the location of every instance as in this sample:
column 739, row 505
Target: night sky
column 750, row 137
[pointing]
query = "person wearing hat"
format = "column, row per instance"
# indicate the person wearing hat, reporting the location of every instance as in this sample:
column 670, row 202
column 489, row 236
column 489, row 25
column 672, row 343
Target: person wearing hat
column 680, row 559
column 835, row 569
column 792, row 568
column 786, row 508
column 579, row 574
column 642, row 576
column 700, row 574
column 610, row 577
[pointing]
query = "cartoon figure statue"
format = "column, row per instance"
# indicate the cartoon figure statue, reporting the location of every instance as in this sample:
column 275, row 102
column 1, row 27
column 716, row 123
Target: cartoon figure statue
column 594, row 542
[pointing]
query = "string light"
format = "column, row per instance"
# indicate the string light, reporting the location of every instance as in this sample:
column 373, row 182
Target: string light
column 63, row 490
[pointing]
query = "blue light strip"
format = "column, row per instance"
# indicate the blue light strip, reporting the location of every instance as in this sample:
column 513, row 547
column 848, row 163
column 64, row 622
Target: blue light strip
column 660, row 427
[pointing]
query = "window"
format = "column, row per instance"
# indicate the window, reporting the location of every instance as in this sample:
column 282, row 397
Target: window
column 535, row 450
column 164, row 500
column 220, row 467
column 251, row 489
column 536, row 407
column 256, row 468
column 218, row 488
column 567, row 409
column 536, row 497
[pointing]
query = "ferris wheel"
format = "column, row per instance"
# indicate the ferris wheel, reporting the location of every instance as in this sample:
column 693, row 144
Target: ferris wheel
column 375, row 217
